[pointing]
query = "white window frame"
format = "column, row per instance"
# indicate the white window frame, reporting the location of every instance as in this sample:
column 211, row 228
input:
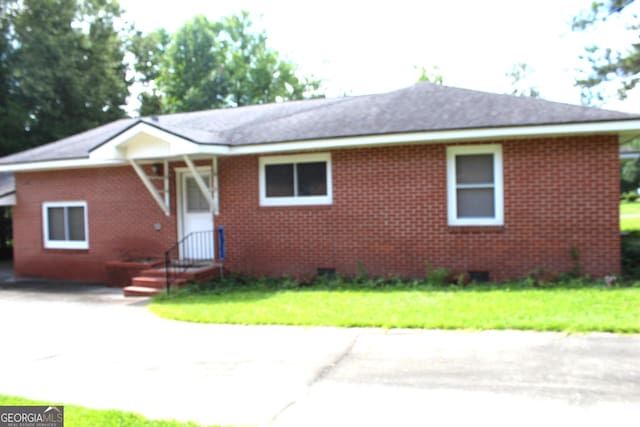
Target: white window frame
column 452, row 185
column 295, row 200
column 64, row 244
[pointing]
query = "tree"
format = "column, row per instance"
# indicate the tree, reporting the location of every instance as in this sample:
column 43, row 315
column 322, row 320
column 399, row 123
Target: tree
column 432, row 75
column 520, row 75
column 606, row 65
column 217, row 64
column 11, row 112
column 629, row 175
column 149, row 50
column 62, row 69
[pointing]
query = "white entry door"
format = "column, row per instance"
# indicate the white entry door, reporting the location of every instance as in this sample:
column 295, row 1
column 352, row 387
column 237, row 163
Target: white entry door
column 196, row 219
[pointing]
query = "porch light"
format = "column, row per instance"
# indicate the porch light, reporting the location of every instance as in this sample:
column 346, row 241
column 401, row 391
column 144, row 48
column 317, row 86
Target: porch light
column 156, row 169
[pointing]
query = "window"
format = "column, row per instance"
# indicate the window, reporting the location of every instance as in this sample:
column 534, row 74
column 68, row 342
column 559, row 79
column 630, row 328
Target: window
column 474, row 181
column 65, row 225
column 196, row 202
column 295, row 180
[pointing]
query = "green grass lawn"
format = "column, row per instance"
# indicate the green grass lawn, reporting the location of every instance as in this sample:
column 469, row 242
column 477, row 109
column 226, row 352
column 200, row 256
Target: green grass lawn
column 630, row 224
column 81, row 417
column 569, row 307
column 629, row 208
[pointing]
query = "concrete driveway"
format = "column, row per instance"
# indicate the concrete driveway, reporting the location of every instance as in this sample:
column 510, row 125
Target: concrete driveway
column 88, row 345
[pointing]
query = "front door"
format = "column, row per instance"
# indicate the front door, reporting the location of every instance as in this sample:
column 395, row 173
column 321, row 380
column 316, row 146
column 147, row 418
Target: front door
column 196, row 219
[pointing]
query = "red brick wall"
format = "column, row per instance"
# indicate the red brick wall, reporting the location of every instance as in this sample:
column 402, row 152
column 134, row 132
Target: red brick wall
column 389, row 213
column 122, row 215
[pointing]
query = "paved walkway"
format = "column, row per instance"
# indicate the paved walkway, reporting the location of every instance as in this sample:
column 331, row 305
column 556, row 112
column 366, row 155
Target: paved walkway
column 90, row 346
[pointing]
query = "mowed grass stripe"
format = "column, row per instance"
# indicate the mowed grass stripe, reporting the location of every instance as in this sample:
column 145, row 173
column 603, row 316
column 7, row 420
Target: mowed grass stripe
column 582, row 309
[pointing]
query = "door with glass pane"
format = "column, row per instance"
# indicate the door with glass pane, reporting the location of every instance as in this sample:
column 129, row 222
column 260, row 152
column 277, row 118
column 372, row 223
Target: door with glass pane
column 196, row 219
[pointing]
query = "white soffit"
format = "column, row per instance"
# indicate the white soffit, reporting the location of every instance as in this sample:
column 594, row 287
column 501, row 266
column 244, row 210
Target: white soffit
column 143, row 141
column 626, row 130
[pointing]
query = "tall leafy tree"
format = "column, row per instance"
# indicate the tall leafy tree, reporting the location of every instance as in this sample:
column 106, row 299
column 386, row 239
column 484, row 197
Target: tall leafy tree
column 11, row 111
column 520, row 76
column 149, row 49
column 192, row 76
column 433, row 75
column 606, row 65
column 63, row 70
column 209, row 64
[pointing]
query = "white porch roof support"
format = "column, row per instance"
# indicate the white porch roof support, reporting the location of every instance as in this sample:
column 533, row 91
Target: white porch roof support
column 206, row 192
column 163, row 202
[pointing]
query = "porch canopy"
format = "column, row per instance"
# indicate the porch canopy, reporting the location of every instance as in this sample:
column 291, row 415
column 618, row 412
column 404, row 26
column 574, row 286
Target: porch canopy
column 143, row 144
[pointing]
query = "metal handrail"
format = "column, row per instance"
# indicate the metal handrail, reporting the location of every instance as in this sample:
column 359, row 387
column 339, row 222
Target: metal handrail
column 191, row 250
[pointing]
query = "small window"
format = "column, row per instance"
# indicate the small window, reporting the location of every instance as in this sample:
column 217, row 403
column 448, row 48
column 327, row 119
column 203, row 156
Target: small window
column 65, row 225
column 475, row 185
column 295, row 180
column 195, row 200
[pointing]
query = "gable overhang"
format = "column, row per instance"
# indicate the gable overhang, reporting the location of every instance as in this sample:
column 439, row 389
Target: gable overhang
column 143, row 142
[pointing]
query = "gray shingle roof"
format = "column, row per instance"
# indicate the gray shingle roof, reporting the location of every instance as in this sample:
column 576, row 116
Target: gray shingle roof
column 72, row 147
column 421, row 107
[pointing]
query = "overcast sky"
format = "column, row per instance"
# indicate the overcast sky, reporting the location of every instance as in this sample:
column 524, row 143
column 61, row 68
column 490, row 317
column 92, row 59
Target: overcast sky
column 360, row 47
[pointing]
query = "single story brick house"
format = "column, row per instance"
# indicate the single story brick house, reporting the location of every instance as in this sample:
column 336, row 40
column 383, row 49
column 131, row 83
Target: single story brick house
column 465, row 180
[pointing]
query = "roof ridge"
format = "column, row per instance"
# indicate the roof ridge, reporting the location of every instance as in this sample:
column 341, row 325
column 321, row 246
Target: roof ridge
column 521, row 98
column 174, row 129
column 260, row 120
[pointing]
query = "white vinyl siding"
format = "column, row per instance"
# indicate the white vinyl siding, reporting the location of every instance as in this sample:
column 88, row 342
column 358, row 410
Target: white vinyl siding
column 474, row 185
column 65, row 225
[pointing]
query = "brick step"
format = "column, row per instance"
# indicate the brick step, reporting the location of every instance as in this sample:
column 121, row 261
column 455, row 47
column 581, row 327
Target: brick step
column 140, row 291
column 153, row 272
column 156, row 282
column 152, row 281
column 197, row 273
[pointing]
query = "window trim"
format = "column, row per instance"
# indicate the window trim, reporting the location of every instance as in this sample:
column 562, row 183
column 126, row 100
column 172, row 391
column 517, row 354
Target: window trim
column 294, row 200
column 64, row 244
column 452, row 202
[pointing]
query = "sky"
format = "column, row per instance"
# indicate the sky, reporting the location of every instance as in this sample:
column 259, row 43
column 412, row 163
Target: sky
column 361, row 47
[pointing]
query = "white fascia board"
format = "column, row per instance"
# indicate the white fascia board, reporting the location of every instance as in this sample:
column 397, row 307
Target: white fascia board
column 103, row 155
column 59, row 164
column 442, row 136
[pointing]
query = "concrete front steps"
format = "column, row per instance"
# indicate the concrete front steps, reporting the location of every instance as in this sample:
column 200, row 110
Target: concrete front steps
column 153, row 281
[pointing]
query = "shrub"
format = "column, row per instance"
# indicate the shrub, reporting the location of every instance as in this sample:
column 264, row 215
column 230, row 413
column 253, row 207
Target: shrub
column 436, row 276
column 461, row 279
column 630, row 196
column 575, row 257
column 631, row 256
column 540, row 277
column 362, row 275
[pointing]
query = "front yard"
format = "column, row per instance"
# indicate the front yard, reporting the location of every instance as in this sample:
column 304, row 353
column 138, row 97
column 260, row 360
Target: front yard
column 80, row 416
column 629, row 216
column 569, row 307
column 573, row 306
